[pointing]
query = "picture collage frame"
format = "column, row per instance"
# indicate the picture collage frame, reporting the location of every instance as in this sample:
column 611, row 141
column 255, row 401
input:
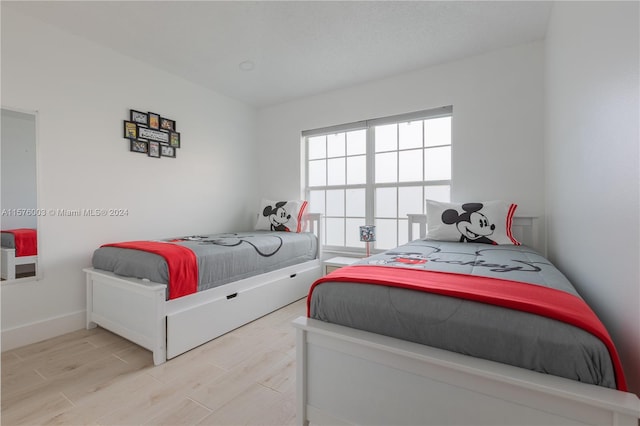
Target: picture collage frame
column 151, row 134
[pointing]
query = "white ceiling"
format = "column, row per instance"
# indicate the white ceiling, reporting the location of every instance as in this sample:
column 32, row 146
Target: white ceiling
column 298, row 48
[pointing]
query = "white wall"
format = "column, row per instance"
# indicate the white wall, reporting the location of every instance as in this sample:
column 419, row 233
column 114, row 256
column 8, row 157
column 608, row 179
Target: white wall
column 592, row 162
column 83, row 92
column 18, row 168
column 497, row 129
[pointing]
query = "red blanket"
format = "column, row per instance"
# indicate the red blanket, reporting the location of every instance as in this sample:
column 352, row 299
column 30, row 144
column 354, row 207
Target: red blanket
column 26, row 241
column 181, row 261
column 544, row 301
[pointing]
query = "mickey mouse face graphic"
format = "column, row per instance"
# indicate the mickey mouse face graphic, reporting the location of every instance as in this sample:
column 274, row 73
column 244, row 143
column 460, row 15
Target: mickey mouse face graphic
column 472, row 225
column 277, row 216
column 478, row 226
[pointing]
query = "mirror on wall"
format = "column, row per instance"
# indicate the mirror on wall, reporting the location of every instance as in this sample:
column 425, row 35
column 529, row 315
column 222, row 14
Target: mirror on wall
column 18, row 196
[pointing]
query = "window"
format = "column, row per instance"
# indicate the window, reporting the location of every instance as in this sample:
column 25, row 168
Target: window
column 376, row 172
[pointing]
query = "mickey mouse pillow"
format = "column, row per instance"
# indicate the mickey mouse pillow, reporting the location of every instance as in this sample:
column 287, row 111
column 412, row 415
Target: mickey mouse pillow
column 488, row 222
column 283, row 216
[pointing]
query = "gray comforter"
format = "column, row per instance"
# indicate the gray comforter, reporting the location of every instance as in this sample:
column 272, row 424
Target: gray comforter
column 222, row 258
column 468, row 327
column 8, row 240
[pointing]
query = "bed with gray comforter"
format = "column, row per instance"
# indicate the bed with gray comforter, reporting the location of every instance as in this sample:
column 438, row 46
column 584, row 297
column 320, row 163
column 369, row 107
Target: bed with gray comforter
column 222, row 258
column 481, row 330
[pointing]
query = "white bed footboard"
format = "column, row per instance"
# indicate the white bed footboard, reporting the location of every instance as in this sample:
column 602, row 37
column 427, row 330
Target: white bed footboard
column 348, row 376
column 9, row 261
column 131, row 308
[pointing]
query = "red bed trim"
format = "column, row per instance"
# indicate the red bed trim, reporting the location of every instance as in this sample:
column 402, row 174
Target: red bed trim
column 303, row 207
column 544, row 301
column 26, row 241
column 181, row 261
column 512, row 210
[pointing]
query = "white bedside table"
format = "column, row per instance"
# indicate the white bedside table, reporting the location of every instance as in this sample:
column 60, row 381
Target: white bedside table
column 334, row 263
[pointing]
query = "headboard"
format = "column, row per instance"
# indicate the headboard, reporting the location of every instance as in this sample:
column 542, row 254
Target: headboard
column 312, row 223
column 524, row 228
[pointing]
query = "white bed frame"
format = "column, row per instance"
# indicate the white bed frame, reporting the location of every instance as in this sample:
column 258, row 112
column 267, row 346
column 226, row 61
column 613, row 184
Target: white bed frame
column 9, row 261
column 137, row 310
column 349, row 376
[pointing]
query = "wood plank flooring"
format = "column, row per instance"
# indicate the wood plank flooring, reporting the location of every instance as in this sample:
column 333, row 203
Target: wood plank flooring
column 94, row 377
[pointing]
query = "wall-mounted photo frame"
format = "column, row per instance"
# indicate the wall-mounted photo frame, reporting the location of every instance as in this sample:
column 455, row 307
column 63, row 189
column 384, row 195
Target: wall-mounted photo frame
column 151, row 134
column 154, row 120
column 167, row 151
column 154, row 149
column 166, row 124
column 174, row 139
column 139, row 146
column 130, row 130
column 139, row 117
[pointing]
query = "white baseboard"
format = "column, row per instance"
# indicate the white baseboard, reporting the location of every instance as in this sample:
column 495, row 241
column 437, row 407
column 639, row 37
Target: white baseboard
column 41, row 330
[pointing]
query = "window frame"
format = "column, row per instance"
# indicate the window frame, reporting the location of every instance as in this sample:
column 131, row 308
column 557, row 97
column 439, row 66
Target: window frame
column 370, row 186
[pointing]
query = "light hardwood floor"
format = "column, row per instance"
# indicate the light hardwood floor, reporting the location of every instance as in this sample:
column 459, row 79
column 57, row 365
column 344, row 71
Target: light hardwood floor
column 94, row 377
